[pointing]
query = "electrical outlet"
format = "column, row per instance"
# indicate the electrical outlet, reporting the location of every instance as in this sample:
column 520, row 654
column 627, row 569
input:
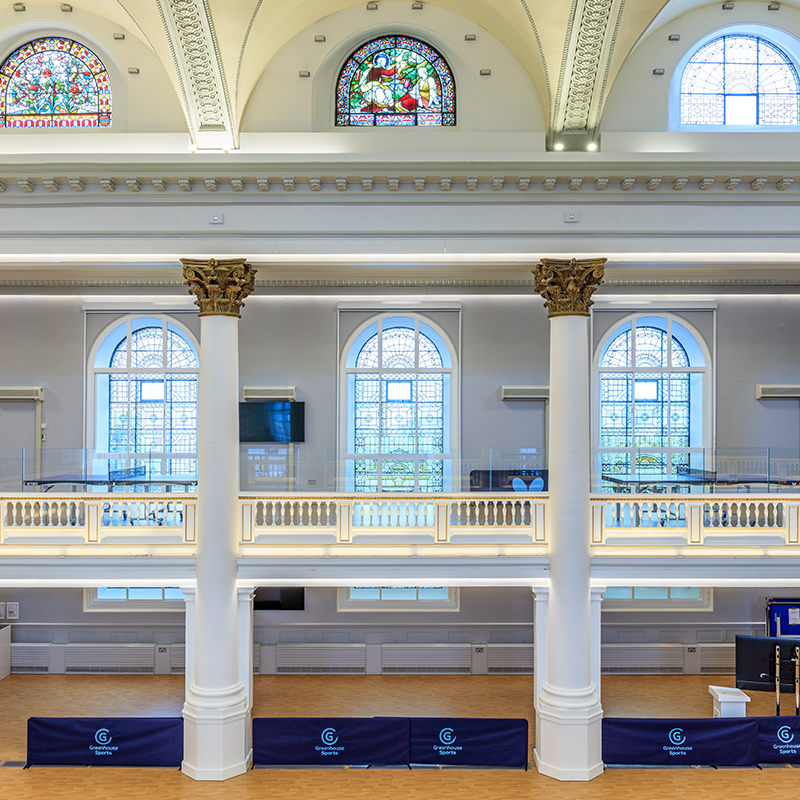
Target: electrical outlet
column 691, row 649
column 12, row 610
column 478, row 649
column 162, row 649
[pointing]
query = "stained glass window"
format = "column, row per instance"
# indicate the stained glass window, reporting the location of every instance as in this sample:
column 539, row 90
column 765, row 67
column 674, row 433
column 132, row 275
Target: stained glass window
column 399, row 385
column 651, row 399
column 740, row 80
column 146, row 375
column 54, row 83
column 395, row 80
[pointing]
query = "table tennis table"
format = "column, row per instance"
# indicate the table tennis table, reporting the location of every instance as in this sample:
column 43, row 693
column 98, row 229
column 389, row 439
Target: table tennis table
column 695, row 477
column 134, row 476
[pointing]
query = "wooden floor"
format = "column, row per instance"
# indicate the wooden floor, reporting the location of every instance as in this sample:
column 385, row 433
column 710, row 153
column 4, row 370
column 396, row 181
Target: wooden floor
column 23, row 696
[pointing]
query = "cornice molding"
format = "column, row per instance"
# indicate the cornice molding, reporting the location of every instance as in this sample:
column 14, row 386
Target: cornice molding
column 694, row 181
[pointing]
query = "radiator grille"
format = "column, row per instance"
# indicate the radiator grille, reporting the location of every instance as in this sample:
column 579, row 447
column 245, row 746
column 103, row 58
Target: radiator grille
column 100, row 658
column 320, row 658
column 30, row 658
column 177, row 659
column 431, row 659
column 510, row 659
column 718, row 659
column 642, row 659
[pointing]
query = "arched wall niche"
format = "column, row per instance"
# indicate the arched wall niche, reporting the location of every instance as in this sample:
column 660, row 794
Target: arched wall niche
column 282, row 101
column 641, row 101
column 141, row 103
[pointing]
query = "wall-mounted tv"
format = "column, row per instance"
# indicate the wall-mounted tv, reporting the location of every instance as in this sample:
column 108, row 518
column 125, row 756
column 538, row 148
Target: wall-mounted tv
column 272, row 421
column 755, row 663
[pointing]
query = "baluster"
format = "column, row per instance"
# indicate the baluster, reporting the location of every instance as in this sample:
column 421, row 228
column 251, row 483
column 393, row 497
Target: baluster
column 770, row 515
column 761, row 516
column 527, row 513
column 779, row 518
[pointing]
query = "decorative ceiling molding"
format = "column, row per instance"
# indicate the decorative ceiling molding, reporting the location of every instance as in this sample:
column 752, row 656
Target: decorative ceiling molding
column 192, row 38
column 588, row 50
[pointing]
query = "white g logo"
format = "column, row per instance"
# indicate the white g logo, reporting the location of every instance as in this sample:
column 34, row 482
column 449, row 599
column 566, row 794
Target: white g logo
column 329, row 736
column 447, row 736
column 676, row 736
column 785, row 734
column 102, row 736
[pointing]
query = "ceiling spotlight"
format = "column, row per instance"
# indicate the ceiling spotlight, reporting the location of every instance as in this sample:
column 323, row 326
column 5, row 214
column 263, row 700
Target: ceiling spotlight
column 727, row 6
column 19, row 6
column 66, row 8
column 591, row 147
column 319, row 38
column 120, row 37
column 372, row 6
column 773, row 6
column 469, row 37
column 658, row 71
column 416, row 6
column 674, row 37
column 558, row 146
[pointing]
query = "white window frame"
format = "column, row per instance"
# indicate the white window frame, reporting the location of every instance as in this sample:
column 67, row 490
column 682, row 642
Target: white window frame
column 707, row 371
column 92, row 372
column 92, row 603
column 452, row 407
column 704, row 603
column 344, row 603
column 785, row 41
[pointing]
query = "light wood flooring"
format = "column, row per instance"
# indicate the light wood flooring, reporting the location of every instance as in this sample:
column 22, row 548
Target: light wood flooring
column 22, row 696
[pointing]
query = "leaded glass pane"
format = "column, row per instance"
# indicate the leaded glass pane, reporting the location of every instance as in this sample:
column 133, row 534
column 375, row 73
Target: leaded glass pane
column 616, row 418
column 431, row 475
column 54, row 83
column 398, row 411
column 395, row 80
column 397, row 475
column 739, row 80
column 154, row 411
column 398, row 348
column 618, row 353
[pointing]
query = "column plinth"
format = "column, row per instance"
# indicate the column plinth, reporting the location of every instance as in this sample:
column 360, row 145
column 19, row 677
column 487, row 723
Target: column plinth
column 216, row 713
column 569, row 714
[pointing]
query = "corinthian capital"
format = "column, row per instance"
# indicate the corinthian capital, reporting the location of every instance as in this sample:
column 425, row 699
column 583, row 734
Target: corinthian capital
column 220, row 286
column 567, row 284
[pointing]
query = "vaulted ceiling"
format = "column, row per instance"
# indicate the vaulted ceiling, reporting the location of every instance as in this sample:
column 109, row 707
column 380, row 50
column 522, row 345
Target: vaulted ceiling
column 215, row 50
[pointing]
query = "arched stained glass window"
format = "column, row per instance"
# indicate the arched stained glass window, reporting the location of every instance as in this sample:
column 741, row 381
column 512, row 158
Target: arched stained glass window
column 395, row 80
column 399, row 374
column 651, row 387
column 145, row 375
column 740, row 80
column 54, row 83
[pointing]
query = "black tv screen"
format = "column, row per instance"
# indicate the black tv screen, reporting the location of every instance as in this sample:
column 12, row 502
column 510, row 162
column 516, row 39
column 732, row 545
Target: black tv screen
column 272, row 421
column 755, row 663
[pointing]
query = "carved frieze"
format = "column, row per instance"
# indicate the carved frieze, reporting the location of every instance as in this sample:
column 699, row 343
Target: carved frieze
column 220, row 286
column 567, row 285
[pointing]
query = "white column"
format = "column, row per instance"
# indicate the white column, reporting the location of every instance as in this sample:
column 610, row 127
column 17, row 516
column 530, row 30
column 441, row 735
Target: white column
column 216, row 711
column 569, row 715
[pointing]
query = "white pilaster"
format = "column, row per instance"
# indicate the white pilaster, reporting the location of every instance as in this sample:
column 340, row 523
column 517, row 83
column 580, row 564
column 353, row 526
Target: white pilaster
column 541, row 595
column 191, row 608
column 569, row 715
column 216, row 710
column 597, row 637
column 246, row 595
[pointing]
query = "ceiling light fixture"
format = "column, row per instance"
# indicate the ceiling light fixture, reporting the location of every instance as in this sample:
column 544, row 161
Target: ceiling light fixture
column 558, row 146
column 591, row 147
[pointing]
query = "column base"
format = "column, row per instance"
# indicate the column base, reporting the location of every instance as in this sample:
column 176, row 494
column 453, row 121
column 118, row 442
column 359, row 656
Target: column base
column 569, row 734
column 216, row 743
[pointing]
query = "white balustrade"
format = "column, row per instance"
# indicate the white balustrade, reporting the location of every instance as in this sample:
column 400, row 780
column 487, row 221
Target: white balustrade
column 694, row 520
column 474, row 519
column 69, row 520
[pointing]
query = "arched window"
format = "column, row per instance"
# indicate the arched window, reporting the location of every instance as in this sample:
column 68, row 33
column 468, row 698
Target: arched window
column 652, row 387
column 740, row 79
column 399, row 378
column 145, row 396
column 54, row 83
column 395, row 80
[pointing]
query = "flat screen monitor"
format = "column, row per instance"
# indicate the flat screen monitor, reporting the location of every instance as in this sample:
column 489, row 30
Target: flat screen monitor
column 272, row 421
column 755, row 663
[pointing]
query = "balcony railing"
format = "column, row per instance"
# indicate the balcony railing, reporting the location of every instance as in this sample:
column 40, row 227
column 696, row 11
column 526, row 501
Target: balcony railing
column 455, row 524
